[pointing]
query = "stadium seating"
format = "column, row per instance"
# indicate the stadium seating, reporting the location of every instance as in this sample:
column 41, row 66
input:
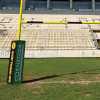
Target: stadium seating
column 51, row 39
column 5, row 40
column 58, row 39
column 71, row 38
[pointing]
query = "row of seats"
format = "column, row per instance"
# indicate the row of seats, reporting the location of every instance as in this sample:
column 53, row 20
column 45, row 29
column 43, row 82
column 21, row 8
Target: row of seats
column 11, row 22
column 45, row 26
column 51, row 39
column 58, row 39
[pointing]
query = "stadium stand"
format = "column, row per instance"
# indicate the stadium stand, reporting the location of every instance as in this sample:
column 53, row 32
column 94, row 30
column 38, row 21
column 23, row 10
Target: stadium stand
column 43, row 40
column 58, row 39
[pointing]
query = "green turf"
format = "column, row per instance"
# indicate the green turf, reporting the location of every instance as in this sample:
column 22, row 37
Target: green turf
column 67, row 69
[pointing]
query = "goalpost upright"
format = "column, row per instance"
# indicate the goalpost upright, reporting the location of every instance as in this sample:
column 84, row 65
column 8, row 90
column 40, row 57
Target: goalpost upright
column 16, row 61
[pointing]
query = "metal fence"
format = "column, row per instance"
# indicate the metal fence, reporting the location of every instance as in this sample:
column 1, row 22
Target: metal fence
column 43, row 5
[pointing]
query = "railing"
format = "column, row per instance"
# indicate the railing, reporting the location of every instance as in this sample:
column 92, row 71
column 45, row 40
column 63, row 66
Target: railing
column 36, row 5
column 82, row 5
column 97, row 5
column 42, row 5
column 9, row 5
column 59, row 5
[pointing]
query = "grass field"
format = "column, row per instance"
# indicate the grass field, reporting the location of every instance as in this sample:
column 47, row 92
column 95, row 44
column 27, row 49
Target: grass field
column 54, row 79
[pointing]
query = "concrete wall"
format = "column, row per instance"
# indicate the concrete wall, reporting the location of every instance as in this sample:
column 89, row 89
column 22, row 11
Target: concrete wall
column 55, row 53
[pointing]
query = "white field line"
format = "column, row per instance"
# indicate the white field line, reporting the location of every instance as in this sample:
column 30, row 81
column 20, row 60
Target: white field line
column 66, row 82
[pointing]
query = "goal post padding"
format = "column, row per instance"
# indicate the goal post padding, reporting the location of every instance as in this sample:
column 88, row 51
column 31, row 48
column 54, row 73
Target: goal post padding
column 16, row 62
